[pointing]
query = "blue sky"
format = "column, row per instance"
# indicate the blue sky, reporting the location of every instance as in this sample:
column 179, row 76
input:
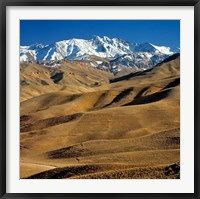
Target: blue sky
column 158, row 32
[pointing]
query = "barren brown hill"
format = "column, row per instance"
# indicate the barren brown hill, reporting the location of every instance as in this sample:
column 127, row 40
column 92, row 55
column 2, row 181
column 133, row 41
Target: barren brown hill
column 91, row 124
column 71, row 76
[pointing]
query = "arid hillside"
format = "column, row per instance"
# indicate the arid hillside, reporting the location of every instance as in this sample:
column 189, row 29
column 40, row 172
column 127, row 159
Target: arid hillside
column 80, row 122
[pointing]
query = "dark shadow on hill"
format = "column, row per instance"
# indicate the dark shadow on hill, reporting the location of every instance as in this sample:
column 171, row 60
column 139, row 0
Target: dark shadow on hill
column 103, row 171
column 120, row 96
column 66, row 172
column 149, row 98
column 57, row 77
column 41, row 124
column 176, row 82
column 68, row 152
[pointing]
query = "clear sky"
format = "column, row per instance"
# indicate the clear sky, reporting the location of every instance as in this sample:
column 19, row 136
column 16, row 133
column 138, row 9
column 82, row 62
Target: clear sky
column 158, row 32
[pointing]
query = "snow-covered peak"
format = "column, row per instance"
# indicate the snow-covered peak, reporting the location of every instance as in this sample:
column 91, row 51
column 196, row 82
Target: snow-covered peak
column 163, row 49
column 36, row 46
column 104, row 47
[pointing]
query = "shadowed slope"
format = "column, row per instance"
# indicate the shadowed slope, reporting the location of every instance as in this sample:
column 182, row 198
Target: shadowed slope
column 112, row 172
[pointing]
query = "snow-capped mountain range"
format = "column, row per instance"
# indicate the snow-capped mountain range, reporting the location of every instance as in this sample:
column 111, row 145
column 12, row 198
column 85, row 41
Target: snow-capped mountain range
column 115, row 50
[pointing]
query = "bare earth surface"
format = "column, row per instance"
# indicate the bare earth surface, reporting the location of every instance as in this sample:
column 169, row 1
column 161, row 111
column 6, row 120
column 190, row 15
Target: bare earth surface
column 79, row 122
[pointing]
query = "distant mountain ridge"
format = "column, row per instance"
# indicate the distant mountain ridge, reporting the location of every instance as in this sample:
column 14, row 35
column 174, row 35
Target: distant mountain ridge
column 99, row 46
column 102, row 52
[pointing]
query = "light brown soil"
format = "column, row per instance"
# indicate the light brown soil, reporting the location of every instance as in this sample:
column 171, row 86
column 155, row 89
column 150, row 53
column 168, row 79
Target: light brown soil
column 86, row 126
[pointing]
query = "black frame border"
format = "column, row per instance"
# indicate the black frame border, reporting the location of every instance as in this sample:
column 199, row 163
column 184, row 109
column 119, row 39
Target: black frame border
column 5, row 3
